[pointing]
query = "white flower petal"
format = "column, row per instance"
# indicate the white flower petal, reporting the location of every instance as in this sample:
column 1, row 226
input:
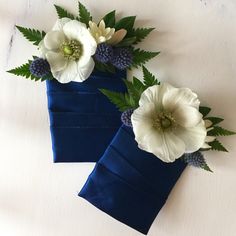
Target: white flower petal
column 68, row 74
column 56, row 60
column 84, row 71
column 210, row 139
column 75, row 29
column 42, row 50
column 187, row 116
column 180, row 96
column 193, row 137
column 208, row 123
column 117, row 37
column 53, row 40
column 60, row 23
column 165, row 145
column 205, row 146
column 142, row 120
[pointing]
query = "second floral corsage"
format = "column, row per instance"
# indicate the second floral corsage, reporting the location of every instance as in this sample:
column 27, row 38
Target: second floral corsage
column 167, row 121
column 76, row 45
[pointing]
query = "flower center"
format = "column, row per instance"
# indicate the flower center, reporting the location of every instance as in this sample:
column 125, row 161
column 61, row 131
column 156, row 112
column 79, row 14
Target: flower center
column 164, row 120
column 72, row 50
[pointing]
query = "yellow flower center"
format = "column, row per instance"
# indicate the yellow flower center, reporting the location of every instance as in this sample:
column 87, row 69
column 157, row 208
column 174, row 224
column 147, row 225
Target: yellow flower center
column 163, row 121
column 72, row 50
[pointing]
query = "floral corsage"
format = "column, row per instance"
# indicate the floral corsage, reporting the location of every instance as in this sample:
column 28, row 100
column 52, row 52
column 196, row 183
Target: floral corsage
column 167, row 121
column 76, row 45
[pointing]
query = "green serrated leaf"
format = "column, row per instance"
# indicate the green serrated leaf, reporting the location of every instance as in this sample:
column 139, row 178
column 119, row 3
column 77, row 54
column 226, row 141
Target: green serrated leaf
column 61, row 12
column 34, row 36
column 204, row 110
column 126, row 42
column 84, row 14
column 214, row 120
column 110, row 19
column 105, row 67
column 126, row 23
column 138, row 84
column 207, row 168
column 140, row 57
column 219, row 131
column 217, row 146
column 122, row 101
column 148, row 78
column 141, row 33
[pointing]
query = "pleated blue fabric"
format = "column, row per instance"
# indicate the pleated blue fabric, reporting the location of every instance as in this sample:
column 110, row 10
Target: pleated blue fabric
column 129, row 184
column 82, row 120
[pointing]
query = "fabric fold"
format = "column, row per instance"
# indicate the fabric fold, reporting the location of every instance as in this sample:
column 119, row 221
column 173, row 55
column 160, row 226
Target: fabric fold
column 129, row 184
column 82, row 120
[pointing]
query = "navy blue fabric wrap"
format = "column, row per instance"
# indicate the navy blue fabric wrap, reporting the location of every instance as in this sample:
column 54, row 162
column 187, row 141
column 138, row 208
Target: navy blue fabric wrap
column 82, row 120
column 129, row 184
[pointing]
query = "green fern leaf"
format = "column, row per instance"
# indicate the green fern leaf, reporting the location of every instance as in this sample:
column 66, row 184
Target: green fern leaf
column 140, row 57
column 32, row 35
column 61, row 12
column 217, row 146
column 219, row 131
column 141, row 33
column 148, row 78
column 204, row 110
column 214, row 120
column 122, row 101
column 84, row 14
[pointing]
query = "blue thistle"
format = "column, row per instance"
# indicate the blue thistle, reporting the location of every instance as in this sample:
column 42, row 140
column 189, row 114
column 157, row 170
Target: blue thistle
column 104, row 52
column 39, row 67
column 126, row 117
column 196, row 159
column 122, row 58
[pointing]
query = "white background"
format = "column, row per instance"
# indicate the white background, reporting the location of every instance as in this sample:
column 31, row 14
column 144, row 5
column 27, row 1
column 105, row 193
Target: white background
column 38, row 198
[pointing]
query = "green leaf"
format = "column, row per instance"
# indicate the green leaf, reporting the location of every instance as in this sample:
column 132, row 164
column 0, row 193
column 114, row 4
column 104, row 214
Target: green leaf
column 219, row 131
column 148, row 78
column 61, row 12
column 126, row 23
column 126, row 42
column 84, row 14
column 138, row 84
column 214, row 120
column 141, row 33
column 32, row 35
column 122, row 101
column 217, row 146
column 204, row 110
column 140, row 57
column 206, row 167
column 110, row 19
column 24, row 71
column 104, row 67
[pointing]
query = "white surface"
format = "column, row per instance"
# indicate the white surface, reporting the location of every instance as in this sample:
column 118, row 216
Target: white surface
column 39, row 198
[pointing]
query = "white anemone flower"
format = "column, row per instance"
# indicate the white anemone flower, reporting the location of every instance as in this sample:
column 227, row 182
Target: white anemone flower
column 69, row 48
column 100, row 33
column 168, row 123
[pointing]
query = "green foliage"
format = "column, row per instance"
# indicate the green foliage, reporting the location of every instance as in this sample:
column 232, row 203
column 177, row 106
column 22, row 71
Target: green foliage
column 34, row 36
column 204, row 110
column 215, row 120
column 24, row 71
column 126, row 42
column 110, row 19
column 122, row 101
column 84, row 14
column 141, row 33
column 217, row 146
column 148, row 78
column 104, row 67
column 61, row 12
column 219, row 131
column 140, row 57
column 126, row 23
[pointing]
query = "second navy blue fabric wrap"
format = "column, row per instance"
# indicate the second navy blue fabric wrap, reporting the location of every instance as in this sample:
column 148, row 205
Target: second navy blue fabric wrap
column 82, row 120
column 129, row 184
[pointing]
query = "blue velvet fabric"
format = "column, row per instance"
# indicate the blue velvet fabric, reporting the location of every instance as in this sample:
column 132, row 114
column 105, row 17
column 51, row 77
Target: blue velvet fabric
column 82, row 120
column 129, row 184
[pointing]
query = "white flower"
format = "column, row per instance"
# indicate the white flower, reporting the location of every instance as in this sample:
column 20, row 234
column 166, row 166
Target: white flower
column 168, row 123
column 69, row 48
column 117, row 37
column 100, row 33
